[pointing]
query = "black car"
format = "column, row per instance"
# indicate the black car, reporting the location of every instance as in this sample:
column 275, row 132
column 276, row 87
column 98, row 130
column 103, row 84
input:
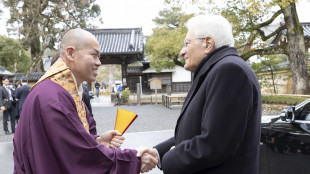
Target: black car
column 285, row 141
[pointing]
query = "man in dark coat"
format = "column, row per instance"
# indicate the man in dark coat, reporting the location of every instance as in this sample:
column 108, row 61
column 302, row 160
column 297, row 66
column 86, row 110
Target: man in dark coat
column 218, row 129
column 86, row 99
column 22, row 93
column 97, row 86
column 6, row 105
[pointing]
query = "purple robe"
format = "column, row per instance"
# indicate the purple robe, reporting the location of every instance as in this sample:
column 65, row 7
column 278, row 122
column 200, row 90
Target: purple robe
column 50, row 138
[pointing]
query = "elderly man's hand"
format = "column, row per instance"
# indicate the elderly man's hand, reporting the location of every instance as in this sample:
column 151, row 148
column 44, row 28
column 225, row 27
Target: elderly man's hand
column 111, row 139
column 149, row 158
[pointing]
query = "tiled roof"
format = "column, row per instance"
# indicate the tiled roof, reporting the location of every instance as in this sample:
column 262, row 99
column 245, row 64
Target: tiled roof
column 33, row 77
column 119, row 41
column 5, row 72
column 46, row 63
column 153, row 70
column 306, row 27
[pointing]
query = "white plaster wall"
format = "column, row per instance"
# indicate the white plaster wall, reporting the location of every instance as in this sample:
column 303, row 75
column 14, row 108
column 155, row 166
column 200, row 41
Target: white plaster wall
column 181, row 75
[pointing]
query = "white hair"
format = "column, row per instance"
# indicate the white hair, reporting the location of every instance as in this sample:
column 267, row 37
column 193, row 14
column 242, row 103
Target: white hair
column 214, row 26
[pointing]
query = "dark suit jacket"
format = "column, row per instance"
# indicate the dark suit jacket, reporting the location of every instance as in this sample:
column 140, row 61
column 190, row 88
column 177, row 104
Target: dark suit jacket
column 21, row 95
column 5, row 95
column 218, row 129
column 86, row 98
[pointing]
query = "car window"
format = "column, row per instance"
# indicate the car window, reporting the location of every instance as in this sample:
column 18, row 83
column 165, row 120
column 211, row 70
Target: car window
column 303, row 113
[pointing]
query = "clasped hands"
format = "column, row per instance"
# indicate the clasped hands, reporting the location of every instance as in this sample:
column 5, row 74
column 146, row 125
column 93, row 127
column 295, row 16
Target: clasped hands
column 114, row 139
column 149, row 158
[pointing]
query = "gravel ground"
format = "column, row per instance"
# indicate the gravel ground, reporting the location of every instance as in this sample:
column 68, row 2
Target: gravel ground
column 150, row 117
column 154, row 124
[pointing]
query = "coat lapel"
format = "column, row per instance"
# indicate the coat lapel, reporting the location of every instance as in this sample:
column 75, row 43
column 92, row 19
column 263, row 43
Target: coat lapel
column 6, row 94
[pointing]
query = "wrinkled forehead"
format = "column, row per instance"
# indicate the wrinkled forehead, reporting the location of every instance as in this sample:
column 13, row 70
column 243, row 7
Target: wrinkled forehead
column 190, row 33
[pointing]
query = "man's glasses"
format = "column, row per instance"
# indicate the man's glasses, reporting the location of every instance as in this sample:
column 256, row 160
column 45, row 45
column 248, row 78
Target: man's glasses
column 187, row 41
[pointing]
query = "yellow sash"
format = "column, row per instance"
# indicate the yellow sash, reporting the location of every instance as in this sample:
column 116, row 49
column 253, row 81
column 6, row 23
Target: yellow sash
column 59, row 73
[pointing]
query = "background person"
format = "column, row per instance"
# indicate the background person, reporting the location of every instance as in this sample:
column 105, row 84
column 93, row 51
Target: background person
column 22, row 93
column 218, row 130
column 6, row 105
column 97, row 86
column 120, row 89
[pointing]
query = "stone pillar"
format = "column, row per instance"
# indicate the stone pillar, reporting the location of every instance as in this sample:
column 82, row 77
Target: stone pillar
column 168, row 89
column 124, row 74
column 138, row 94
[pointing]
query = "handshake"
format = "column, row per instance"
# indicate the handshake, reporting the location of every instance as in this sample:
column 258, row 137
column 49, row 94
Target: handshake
column 149, row 158
column 114, row 139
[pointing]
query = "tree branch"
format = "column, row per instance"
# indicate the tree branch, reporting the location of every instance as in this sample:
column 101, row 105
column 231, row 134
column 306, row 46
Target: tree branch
column 264, row 24
column 176, row 62
column 262, row 33
column 265, row 51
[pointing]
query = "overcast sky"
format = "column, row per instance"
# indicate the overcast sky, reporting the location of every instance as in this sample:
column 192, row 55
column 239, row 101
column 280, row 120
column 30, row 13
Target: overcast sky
column 139, row 13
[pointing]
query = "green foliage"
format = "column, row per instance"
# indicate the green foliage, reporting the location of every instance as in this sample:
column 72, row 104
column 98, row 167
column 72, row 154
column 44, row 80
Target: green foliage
column 109, row 72
column 267, row 72
column 281, row 99
column 125, row 95
column 24, row 62
column 9, row 55
column 254, row 29
column 164, row 45
column 40, row 24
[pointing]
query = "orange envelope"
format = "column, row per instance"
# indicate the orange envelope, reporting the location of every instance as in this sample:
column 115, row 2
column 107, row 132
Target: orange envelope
column 124, row 119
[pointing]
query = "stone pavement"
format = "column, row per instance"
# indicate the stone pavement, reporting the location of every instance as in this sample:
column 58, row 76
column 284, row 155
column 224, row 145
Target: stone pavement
column 155, row 123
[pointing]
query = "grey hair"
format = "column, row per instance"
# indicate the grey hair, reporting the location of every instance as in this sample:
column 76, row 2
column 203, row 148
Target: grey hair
column 214, row 26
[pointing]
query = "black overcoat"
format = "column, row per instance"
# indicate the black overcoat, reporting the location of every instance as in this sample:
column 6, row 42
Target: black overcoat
column 21, row 95
column 218, row 129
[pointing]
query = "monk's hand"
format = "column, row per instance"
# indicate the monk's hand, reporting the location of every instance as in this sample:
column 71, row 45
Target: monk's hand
column 111, row 139
column 149, row 158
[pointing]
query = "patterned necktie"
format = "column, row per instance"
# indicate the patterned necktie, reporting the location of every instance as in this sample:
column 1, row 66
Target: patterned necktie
column 9, row 92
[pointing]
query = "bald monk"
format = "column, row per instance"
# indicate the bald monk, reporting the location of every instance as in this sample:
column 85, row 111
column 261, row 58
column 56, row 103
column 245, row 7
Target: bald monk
column 55, row 133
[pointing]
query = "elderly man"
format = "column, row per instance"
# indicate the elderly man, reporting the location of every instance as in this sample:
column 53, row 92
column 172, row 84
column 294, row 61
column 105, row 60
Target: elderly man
column 55, row 133
column 218, row 129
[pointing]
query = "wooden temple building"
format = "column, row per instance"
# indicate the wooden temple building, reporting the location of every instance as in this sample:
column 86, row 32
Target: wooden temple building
column 123, row 46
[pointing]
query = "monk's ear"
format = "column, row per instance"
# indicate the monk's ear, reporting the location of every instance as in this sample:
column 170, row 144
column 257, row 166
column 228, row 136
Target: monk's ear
column 69, row 53
column 209, row 42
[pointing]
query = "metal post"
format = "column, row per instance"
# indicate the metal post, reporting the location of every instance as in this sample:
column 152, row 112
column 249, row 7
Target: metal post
column 140, row 77
column 156, row 95
column 168, row 89
column 138, row 95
